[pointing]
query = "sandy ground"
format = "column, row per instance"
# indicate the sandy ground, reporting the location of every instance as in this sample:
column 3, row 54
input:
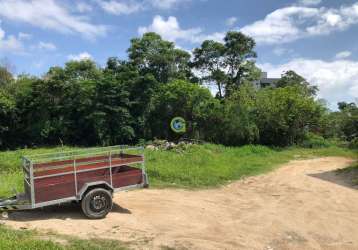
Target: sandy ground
column 302, row 205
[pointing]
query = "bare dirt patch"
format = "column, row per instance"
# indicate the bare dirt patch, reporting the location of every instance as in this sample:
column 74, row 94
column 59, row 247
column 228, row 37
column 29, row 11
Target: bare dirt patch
column 302, row 205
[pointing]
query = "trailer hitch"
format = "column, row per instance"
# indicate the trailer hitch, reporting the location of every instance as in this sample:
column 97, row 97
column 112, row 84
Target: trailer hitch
column 8, row 204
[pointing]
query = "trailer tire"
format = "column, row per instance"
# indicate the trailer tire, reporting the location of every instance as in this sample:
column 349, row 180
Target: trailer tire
column 97, row 203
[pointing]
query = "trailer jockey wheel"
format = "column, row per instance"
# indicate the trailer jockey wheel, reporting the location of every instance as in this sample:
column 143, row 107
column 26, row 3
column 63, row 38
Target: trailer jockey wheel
column 97, row 203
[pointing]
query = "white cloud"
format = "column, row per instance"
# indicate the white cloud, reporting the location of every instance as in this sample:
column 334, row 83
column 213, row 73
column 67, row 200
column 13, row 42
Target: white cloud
column 279, row 26
column 216, row 36
column 80, row 56
column 337, row 80
column 310, row 2
column 2, row 33
column 165, row 4
column 170, row 30
column 48, row 14
column 295, row 22
column 343, row 54
column 10, row 43
column 279, row 51
column 120, row 7
column 46, row 46
column 83, row 7
column 231, row 21
column 126, row 7
column 24, row 36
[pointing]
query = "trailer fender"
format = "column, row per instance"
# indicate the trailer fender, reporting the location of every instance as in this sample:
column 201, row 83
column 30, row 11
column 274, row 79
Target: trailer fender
column 89, row 186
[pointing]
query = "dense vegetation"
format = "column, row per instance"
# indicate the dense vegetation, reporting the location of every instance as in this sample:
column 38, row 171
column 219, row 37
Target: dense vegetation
column 131, row 101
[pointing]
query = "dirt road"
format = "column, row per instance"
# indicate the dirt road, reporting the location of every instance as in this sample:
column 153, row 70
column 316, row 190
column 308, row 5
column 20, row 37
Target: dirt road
column 303, row 205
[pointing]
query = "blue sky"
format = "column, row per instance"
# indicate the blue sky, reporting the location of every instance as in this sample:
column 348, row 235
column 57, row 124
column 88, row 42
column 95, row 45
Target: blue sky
column 316, row 38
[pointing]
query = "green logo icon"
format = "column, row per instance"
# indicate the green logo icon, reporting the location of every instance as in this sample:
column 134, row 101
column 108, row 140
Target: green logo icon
column 178, row 125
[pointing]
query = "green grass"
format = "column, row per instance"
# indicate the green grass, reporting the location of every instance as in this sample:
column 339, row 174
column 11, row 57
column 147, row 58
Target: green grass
column 11, row 171
column 32, row 240
column 213, row 165
column 200, row 166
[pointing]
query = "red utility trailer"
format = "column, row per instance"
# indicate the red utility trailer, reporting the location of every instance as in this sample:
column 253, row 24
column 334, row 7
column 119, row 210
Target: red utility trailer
column 88, row 176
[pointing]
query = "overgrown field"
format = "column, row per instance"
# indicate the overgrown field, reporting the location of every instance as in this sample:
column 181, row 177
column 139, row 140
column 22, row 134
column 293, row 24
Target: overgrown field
column 199, row 166
column 213, row 165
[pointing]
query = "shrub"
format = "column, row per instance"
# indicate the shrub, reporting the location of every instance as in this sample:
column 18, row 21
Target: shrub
column 7, row 106
column 179, row 98
column 315, row 141
column 354, row 143
column 285, row 115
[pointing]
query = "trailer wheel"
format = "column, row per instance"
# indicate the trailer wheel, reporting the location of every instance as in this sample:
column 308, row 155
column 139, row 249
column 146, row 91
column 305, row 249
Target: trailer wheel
column 97, row 203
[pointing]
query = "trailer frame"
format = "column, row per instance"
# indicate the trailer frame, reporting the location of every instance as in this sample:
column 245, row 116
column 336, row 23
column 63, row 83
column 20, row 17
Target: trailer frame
column 27, row 200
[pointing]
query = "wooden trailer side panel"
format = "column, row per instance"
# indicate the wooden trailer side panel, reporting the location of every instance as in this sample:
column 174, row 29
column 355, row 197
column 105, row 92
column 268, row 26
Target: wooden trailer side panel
column 54, row 188
column 126, row 176
column 101, row 175
column 61, row 187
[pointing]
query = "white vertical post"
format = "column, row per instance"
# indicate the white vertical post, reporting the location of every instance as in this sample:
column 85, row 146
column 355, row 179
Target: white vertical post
column 32, row 185
column 110, row 168
column 75, row 175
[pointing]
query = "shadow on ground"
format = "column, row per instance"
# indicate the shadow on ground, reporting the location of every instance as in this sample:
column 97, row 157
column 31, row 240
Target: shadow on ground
column 70, row 211
column 347, row 177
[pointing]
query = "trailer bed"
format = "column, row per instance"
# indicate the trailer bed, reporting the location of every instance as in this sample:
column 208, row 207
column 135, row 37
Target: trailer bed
column 52, row 179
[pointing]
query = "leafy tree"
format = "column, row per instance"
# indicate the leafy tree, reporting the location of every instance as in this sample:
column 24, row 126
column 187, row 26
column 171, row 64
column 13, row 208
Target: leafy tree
column 285, row 115
column 6, row 73
column 348, row 121
column 80, row 70
column 291, row 78
column 178, row 98
column 239, row 126
column 71, row 93
column 210, row 119
column 140, row 88
column 151, row 54
column 239, row 50
column 5, row 77
column 111, row 115
column 342, row 106
column 56, row 109
column 228, row 65
column 209, row 58
column 7, row 112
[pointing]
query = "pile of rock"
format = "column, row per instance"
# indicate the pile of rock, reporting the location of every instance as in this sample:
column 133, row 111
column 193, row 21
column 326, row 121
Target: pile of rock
column 166, row 145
